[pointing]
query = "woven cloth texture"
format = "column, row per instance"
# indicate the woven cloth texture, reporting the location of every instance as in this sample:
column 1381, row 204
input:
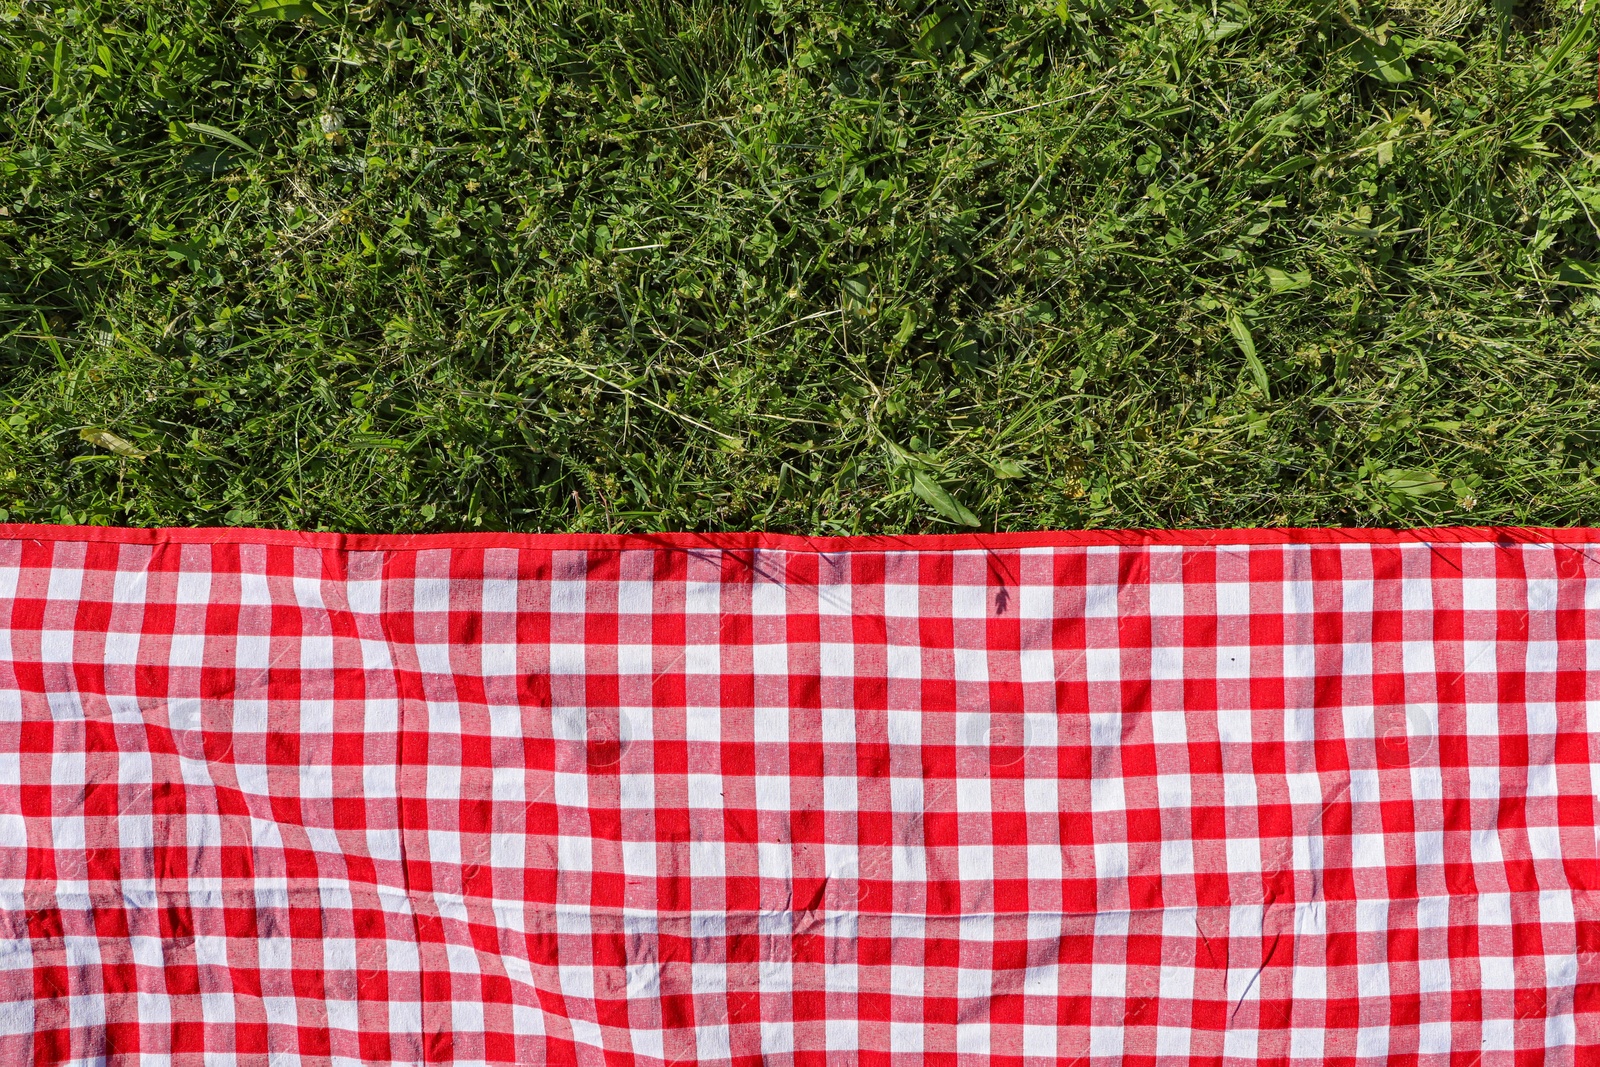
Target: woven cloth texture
column 1321, row 798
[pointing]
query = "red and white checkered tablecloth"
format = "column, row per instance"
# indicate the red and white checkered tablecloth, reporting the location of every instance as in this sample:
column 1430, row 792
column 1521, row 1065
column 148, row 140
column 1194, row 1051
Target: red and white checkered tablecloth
column 1108, row 798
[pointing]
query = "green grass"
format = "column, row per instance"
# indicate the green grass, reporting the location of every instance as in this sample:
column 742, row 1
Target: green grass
column 825, row 267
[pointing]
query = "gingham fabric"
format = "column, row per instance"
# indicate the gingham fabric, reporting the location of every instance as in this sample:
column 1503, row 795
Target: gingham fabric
column 1144, row 799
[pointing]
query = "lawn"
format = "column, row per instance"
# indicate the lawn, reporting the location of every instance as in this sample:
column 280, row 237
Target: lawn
column 822, row 267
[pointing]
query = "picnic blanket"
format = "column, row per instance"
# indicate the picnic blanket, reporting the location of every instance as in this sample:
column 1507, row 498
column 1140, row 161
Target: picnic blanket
column 1086, row 798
